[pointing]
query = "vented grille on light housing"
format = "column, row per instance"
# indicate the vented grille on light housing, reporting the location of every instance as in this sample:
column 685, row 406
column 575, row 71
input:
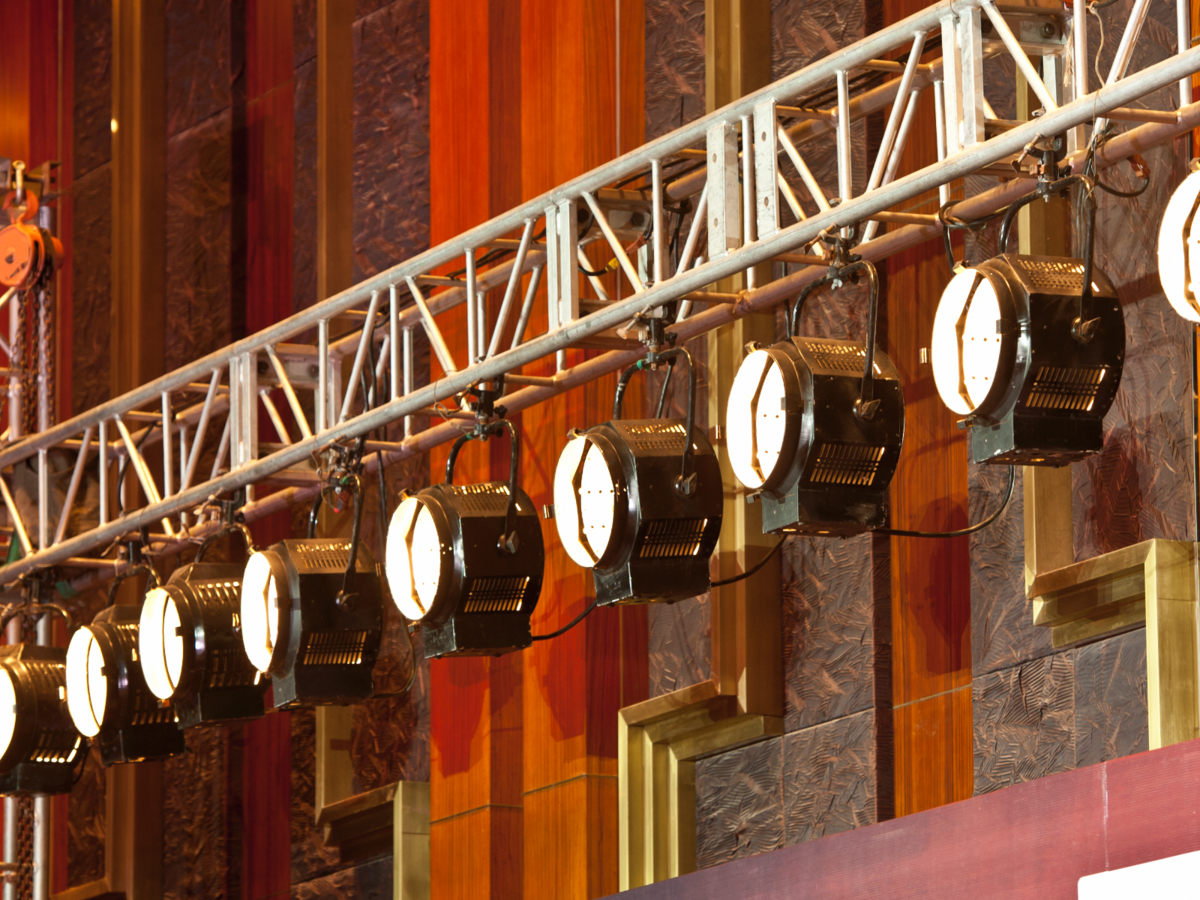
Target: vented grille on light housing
column 107, row 694
column 1009, row 355
column 640, row 504
column 466, row 561
column 811, row 434
column 40, row 748
column 317, row 642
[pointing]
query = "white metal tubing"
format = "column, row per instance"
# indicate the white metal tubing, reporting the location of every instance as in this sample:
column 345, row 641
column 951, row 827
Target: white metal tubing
column 394, row 331
column 527, row 307
column 593, row 280
column 408, row 375
column 103, row 448
column 273, row 413
column 893, row 122
column 14, row 379
column 139, row 465
column 749, row 213
column 910, row 110
column 201, row 429
column 183, row 459
column 222, row 451
column 845, row 177
column 73, row 487
column 939, row 115
column 510, row 290
column 322, row 405
column 472, row 309
column 1079, row 28
column 1019, row 57
column 167, row 423
column 440, row 350
column 1133, row 28
column 617, row 248
column 660, row 245
column 790, row 196
column 368, row 335
column 689, row 246
column 43, row 509
column 806, row 174
column 15, row 518
column 289, row 392
column 1183, row 25
column 1169, row 71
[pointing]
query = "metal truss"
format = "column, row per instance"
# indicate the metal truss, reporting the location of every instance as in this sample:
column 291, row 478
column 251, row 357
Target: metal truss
column 211, row 407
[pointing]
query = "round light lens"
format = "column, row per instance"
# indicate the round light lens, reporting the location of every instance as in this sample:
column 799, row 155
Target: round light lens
column 584, row 517
column 414, row 559
column 8, row 709
column 87, row 686
column 756, row 419
column 1179, row 248
column 160, row 645
column 966, row 341
column 260, row 611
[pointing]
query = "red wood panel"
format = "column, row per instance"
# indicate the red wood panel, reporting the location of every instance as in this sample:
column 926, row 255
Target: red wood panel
column 15, row 79
column 267, row 807
column 476, row 710
column 1033, row 840
column 931, row 589
column 574, row 117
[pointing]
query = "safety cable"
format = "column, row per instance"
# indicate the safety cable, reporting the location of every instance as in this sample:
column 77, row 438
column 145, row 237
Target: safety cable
column 575, row 621
column 978, row 526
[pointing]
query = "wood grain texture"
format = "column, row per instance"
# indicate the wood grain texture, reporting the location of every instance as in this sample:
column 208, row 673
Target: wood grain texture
column 931, row 587
column 1035, row 839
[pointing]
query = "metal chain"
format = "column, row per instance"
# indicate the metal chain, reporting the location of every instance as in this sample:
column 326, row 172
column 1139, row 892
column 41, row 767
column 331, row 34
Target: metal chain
column 46, row 349
column 29, row 344
column 17, row 360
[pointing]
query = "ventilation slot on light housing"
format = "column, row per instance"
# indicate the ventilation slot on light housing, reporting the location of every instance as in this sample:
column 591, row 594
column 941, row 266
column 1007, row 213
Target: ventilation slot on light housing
column 1061, row 387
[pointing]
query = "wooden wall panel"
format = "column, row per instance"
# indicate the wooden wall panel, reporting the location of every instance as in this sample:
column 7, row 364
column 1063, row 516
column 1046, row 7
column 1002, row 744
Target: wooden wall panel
column 476, row 712
column 579, row 109
column 931, row 590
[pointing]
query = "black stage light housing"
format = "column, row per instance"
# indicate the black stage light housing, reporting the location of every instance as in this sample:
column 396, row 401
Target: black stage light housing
column 626, row 508
column 815, row 427
column 310, row 624
column 1029, row 349
column 466, row 562
column 40, row 748
column 191, row 646
column 108, row 697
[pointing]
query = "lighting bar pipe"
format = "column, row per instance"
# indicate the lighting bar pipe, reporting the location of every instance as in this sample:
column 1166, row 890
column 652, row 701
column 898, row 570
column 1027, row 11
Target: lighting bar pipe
column 806, row 174
column 1133, row 27
column 73, row 487
column 1019, row 57
column 749, row 194
column 289, row 392
column 617, row 248
column 527, row 306
column 510, row 290
column 910, row 111
column 440, row 350
column 201, row 429
column 698, row 218
column 797, row 235
column 893, row 122
column 368, row 335
column 472, row 308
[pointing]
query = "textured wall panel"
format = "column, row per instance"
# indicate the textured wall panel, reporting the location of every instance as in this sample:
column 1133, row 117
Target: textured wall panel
column 674, row 64
column 310, row 858
column 195, row 846
column 1024, row 722
column 304, row 188
column 86, row 825
column 739, row 803
column 91, row 326
column 370, row 881
column 92, row 90
column 198, row 61
column 680, row 644
column 391, row 146
column 198, row 221
column 830, row 779
column 1110, row 699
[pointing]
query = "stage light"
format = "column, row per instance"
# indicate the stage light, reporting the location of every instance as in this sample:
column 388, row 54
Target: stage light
column 191, row 648
column 1179, row 247
column 1029, row 358
column 311, row 625
column 815, row 427
column 40, row 748
column 639, row 502
column 466, row 561
column 107, row 693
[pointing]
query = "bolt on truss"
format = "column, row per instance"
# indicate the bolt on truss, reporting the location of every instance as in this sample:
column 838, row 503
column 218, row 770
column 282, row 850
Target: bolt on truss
column 726, row 166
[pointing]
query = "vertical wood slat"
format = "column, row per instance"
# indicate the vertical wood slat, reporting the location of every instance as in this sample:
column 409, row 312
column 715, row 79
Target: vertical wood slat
column 476, row 710
column 582, row 104
column 931, row 591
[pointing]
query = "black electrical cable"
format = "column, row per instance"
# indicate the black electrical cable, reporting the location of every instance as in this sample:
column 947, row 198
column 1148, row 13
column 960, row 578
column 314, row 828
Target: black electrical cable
column 575, row 621
column 762, row 562
column 978, row 526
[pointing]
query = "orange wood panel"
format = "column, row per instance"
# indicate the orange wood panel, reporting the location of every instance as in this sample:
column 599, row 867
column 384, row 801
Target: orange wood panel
column 578, row 111
column 476, row 711
column 931, row 590
column 15, row 79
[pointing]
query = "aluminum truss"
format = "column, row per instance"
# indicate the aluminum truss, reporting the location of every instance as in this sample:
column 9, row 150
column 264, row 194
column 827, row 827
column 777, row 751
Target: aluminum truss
column 737, row 191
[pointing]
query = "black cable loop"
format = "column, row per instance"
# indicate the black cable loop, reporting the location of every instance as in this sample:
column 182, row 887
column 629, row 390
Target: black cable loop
column 971, row 529
column 141, row 568
column 507, row 542
column 223, row 531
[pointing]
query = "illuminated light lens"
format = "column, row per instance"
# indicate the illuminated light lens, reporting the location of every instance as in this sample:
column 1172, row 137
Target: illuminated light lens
column 1179, row 248
column 756, row 421
column 966, row 342
column 8, row 710
column 260, row 611
column 87, row 688
column 566, row 503
column 597, row 500
column 414, row 559
column 160, row 645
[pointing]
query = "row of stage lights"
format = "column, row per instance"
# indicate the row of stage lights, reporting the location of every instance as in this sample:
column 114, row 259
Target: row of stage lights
column 1029, row 350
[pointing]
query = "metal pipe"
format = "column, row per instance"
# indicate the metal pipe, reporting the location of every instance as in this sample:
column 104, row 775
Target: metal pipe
column 617, row 248
column 289, row 392
column 440, row 350
column 14, row 516
column 659, row 244
column 1133, row 27
column 939, row 116
column 368, row 335
column 394, row 331
column 594, row 280
column 103, row 465
column 806, row 174
column 472, row 308
column 322, row 405
column 749, row 213
column 1019, row 56
column 693, row 237
column 73, row 487
column 201, row 429
column 910, row 111
column 273, row 414
column 527, row 307
column 1079, row 28
column 168, row 470
column 510, row 290
column 1183, row 27
column 408, row 375
column 893, row 122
